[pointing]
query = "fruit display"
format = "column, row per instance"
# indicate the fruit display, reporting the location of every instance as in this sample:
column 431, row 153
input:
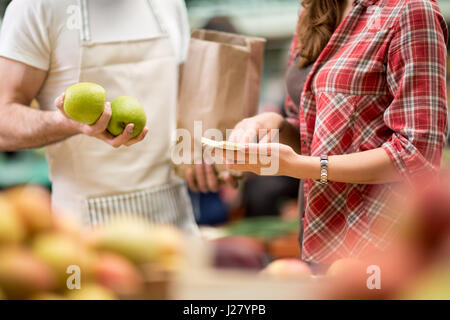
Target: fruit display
column 415, row 264
column 22, row 273
column 160, row 246
column 51, row 258
column 46, row 257
column 84, row 102
column 251, row 242
column 126, row 110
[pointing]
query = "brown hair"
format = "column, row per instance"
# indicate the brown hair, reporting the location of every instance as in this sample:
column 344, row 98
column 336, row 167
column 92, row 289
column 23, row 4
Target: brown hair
column 316, row 24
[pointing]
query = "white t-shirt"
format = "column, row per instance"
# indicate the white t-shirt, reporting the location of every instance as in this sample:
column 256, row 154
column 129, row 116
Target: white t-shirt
column 45, row 34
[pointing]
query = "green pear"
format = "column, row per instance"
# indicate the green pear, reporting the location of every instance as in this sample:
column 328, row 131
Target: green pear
column 59, row 251
column 129, row 238
column 33, row 205
column 22, row 273
column 84, row 102
column 126, row 110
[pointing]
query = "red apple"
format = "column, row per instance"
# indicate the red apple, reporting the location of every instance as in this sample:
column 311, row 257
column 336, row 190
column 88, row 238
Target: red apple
column 288, row 268
column 118, row 274
column 346, row 267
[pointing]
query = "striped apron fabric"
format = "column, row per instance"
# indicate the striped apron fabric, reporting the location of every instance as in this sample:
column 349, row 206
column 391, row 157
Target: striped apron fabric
column 167, row 204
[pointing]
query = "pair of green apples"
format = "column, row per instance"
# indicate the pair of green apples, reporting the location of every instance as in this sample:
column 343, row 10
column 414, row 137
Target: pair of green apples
column 84, row 102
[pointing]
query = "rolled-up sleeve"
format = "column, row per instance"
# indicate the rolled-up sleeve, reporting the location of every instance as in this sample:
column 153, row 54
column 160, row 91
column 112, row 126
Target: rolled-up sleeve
column 416, row 74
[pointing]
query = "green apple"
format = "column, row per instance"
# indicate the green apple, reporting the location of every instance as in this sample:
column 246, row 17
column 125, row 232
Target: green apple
column 126, row 110
column 84, row 102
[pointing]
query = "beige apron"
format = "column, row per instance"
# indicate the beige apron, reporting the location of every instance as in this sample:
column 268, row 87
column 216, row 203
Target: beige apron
column 98, row 182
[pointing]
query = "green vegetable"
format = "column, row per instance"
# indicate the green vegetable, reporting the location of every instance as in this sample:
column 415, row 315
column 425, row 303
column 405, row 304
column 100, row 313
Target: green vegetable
column 265, row 228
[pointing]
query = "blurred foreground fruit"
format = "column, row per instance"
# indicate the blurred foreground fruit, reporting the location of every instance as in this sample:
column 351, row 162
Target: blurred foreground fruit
column 118, row 274
column 21, row 273
column 2, row 295
column 141, row 242
column 91, row 292
column 428, row 225
column 128, row 238
column 433, row 285
column 11, row 228
column 347, row 267
column 238, row 252
column 60, row 251
column 287, row 268
column 33, row 205
column 47, row 296
column 84, row 102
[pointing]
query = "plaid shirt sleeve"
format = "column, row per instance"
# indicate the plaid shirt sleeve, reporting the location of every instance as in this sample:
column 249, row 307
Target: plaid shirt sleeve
column 417, row 80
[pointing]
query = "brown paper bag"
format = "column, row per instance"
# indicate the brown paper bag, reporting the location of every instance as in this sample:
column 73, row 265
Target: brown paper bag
column 221, row 82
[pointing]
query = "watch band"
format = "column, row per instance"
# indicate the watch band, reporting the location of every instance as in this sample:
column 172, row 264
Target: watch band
column 323, row 169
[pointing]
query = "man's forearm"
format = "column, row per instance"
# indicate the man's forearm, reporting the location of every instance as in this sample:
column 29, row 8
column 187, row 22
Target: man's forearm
column 22, row 127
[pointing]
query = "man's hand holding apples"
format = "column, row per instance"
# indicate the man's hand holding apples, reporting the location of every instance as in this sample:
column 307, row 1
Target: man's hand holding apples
column 99, row 128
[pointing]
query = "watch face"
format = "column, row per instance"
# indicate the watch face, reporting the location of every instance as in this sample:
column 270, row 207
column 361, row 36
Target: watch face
column 225, row 145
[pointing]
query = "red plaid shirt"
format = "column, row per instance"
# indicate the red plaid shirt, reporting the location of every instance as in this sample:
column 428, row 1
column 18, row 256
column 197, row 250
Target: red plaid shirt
column 380, row 82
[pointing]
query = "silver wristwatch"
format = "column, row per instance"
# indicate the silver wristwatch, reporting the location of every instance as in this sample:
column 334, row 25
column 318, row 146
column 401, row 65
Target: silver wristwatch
column 323, row 169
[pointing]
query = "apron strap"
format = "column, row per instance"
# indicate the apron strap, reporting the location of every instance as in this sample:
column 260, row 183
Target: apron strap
column 85, row 32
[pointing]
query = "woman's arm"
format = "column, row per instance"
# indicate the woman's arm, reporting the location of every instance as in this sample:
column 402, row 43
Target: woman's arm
column 367, row 167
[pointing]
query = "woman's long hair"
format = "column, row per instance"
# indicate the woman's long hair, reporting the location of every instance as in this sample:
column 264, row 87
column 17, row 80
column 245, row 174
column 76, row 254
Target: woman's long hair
column 317, row 23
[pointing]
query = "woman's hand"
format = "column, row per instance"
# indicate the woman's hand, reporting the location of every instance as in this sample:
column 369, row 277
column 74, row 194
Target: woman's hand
column 98, row 130
column 258, row 127
column 272, row 159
